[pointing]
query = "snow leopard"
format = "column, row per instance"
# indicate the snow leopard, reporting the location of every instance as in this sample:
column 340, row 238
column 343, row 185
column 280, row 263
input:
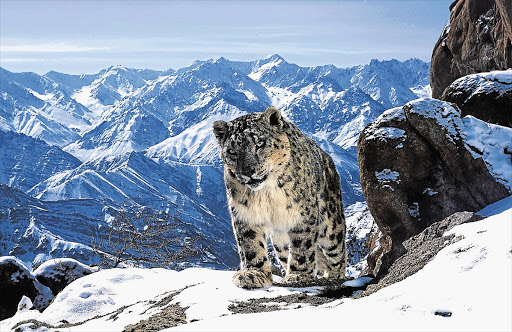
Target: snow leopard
column 281, row 185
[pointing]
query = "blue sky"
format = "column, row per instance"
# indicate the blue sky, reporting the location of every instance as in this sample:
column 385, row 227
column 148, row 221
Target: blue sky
column 87, row 36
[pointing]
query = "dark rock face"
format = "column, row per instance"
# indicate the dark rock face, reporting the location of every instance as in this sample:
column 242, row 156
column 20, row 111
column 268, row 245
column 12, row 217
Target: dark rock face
column 486, row 96
column 477, row 38
column 416, row 169
column 378, row 245
column 16, row 281
column 58, row 273
column 420, row 249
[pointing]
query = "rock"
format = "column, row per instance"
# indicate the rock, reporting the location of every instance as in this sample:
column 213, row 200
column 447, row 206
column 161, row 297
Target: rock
column 16, row 281
column 416, row 168
column 58, row 273
column 487, row 96
column 477, row 38
column 420, row 249
column 378, row 245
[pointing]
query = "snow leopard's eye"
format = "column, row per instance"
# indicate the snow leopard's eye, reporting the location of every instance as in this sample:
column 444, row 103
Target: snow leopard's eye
column 260, row 143
column 231, row 152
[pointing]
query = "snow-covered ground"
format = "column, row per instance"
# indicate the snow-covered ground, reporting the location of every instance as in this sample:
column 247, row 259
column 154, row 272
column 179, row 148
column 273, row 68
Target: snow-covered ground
column 466, row 287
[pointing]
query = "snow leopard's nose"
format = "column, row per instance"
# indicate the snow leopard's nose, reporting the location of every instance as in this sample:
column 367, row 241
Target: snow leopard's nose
column 246, row 165
column 249, row 171
column 245, row 175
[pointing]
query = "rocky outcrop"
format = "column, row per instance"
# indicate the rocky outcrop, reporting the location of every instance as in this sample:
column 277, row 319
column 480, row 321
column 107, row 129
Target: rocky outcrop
column 59, row 272
column 17, row 281
column 378, row 245
column 420, row 249
column 487, row 96
column 416, row 168
column 477, row 38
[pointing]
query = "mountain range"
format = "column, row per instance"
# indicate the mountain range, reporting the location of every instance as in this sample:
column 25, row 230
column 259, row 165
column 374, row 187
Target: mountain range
column 75, row 148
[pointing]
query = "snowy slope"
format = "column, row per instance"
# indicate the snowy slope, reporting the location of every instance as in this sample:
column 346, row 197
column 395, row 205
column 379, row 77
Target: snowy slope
column 490, row 142
column 451, row 293
column 26, row 161
column 35, row 231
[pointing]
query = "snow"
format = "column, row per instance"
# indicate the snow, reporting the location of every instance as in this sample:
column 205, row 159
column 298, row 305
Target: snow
column 25, row 304
column 452, row 292
column 258, row 72
column 196, row 145
column 395, row 114
column 492, row 143
column 503, row 76
column 445, row 285
column 15, row 261
column 429, row 191
column 105, row 291
column 442, row 112
column 387, row 175
column 497, row 207
column 68, row 267
column 248, row 94
column 498, row 81
column 414, row 210
column 385, row 133
column 359, row 282
column 424, row 91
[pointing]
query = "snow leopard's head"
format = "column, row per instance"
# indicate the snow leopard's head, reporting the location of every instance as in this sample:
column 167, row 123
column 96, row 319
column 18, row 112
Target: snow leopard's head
column 253, row 146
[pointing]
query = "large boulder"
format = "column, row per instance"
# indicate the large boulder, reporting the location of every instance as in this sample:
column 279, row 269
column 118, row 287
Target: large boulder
column 487, row 96
column 422, row 162
column 16, row 281
column 477, row 38
column 59, row 272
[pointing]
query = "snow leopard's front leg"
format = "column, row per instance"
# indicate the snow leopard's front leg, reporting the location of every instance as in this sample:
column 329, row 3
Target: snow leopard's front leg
column 302, row 253
column 252, row 247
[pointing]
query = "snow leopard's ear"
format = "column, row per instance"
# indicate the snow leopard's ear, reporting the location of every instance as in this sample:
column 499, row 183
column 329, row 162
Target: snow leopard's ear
column 273, row 116
column 220, row 129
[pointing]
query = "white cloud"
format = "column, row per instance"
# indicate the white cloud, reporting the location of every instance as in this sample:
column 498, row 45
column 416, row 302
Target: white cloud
column 49, row 48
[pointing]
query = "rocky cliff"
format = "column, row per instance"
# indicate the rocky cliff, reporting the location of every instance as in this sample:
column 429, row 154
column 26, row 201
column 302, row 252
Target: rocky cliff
column 477, row 38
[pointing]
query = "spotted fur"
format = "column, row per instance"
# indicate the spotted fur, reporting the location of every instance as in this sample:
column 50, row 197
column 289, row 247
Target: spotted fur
column 281, row 185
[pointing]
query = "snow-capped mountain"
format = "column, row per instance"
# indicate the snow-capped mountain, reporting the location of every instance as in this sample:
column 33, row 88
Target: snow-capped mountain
column 145, row 136
column 26, row 161
column 41, row 108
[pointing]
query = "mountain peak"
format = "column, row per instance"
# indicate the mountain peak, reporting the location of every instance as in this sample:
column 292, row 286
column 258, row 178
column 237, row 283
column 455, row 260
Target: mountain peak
column 265, row 64
column 273, row 57
column 222, row 60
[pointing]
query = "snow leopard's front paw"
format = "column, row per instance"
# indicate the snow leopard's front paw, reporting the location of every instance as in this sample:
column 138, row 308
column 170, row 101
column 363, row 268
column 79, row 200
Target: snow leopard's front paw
column 298, row 279
column 329, row 275
column 251, row 279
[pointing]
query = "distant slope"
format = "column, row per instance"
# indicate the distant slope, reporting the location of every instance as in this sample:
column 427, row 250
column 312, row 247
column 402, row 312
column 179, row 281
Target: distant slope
column 26, row 161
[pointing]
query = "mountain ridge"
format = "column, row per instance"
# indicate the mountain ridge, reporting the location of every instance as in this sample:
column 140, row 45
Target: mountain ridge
column 145, row 136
